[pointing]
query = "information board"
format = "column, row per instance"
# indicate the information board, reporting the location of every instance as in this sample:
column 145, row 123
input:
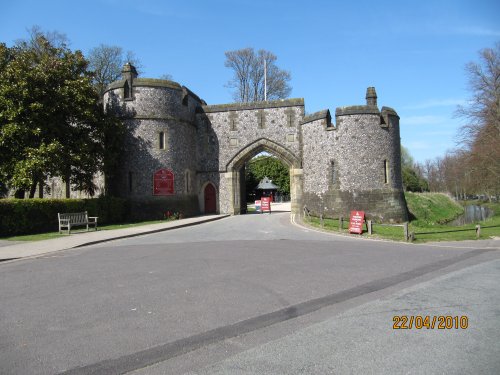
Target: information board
column 266, row 204
column 163, row 182
column 356, row 222
column 257, row 205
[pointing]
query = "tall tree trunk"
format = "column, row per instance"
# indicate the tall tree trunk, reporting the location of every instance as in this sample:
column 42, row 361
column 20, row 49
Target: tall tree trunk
column 33, row 188
column 68, row 188
column 40, row 189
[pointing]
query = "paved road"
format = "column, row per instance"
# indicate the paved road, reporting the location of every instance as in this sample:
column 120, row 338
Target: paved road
column 246, row 294
column 361, row 341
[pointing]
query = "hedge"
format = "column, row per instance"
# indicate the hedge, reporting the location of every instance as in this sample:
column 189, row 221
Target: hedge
column 30, row 216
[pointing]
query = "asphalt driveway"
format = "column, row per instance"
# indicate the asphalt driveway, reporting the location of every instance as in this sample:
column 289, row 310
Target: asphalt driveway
column 185, row 299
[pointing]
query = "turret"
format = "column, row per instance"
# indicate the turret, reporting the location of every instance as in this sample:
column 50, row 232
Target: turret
column 129, row 73
column 371, row 96
column 158, row 149
column 355, row 163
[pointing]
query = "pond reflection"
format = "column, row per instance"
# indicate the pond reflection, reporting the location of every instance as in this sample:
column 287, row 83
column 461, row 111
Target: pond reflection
column 472, row 214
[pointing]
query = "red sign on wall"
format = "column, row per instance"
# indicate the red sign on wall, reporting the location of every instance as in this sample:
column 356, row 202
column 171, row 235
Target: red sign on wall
column 163, row 182
column 356, row 222
column 266, row 204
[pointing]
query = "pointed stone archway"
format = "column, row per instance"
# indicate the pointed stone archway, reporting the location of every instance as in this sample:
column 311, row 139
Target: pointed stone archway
column 234, row 176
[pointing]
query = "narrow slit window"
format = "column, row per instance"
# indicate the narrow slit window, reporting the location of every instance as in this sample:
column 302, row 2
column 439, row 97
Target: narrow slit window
column 386, row 172
column 334, row 172
column 161, row 140
column 126, row 90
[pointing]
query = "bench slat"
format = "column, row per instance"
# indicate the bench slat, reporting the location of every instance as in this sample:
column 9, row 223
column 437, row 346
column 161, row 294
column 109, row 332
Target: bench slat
column 67, row 220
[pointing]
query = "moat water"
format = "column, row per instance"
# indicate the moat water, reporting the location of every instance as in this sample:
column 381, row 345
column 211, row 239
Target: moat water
column 472, row 214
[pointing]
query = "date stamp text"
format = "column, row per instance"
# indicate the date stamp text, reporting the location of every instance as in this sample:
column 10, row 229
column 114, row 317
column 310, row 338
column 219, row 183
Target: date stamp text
column 430, row 322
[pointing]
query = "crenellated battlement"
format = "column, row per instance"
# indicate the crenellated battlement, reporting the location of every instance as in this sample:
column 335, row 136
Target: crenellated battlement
column 353, row 163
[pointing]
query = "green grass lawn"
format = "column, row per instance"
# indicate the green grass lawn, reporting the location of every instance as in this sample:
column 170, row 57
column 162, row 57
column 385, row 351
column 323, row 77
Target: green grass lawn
column 48, row 236
column 489, row 228
column 430, row 212
column 378, row 231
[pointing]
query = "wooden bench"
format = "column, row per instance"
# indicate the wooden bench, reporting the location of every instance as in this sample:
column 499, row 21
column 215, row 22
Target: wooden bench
column 69, row 220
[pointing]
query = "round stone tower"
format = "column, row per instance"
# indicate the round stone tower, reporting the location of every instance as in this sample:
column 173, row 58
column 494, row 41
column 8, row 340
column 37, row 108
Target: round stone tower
column 369, row 159
column 354, row 164
column 159, row 162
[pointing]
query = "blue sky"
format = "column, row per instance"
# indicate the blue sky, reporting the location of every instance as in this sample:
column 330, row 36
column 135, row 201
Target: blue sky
column 413, row 52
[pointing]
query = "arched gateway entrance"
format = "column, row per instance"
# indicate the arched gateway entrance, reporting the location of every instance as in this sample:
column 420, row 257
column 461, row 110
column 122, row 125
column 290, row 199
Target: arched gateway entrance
column 235, row 174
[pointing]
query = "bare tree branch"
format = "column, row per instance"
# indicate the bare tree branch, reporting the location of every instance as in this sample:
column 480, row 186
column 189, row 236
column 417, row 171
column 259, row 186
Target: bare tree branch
column 248, row 79
column 106, row 63
column 479, row 138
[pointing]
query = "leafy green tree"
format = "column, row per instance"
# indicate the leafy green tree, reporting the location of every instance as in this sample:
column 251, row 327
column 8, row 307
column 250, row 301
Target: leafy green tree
column 406, row 158
column 51, row 122
column 413, row 182
column 411, row 173
column 268, row 166
column 251, row 183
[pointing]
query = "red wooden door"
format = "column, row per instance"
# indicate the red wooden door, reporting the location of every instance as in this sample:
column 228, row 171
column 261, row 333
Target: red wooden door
column 210, row 206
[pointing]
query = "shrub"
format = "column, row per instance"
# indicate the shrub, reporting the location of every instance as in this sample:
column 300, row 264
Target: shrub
column 29, row 216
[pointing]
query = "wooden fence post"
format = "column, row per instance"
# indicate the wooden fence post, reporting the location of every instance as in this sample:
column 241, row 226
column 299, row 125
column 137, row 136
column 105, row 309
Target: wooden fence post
column 306, row 213
column 321, row 220
column 369, row 225
column 478, row 231
column 405, row 229
column 341, row 223
column 411, row 237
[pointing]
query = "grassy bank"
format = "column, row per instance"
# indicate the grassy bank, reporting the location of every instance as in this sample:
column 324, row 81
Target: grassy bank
column 429, row 209
column 429, row 214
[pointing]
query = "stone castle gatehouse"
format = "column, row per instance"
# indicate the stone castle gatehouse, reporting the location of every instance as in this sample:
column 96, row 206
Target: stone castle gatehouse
column 193, row 155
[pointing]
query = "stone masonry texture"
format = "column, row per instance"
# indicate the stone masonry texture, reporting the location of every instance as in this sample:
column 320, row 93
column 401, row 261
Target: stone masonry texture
column 351, row 163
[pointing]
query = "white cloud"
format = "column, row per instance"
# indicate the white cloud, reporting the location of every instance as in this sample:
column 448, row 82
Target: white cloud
column 439, row 133
column 477, row 31
column 435, row 103
column 418, row 145
column 423, row 120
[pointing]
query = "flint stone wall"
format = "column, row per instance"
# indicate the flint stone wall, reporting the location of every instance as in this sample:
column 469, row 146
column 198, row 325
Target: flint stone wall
column 336, row 167
column 229, row 135
column 237, row 126
column 344, row 164
column 166, row 108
